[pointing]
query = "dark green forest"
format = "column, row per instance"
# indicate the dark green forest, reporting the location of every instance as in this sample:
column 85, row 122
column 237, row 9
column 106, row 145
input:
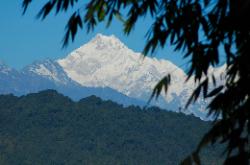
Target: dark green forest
column 49, row 128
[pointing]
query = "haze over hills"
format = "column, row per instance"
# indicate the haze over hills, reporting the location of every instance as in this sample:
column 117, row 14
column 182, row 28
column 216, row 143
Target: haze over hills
column 107, row 68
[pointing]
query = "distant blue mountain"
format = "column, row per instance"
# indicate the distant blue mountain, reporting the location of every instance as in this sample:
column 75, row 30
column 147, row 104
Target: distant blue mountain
column 48, row 74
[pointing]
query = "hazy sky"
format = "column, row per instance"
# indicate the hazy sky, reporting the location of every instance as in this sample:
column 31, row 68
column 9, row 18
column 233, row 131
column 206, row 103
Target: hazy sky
column 24, row 39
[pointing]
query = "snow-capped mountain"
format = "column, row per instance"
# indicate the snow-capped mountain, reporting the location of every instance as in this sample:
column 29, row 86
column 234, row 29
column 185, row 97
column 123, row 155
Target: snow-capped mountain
column 106, row 62
column 48, row 69
column 8, row 79
column 107, row 68
column 48, row 74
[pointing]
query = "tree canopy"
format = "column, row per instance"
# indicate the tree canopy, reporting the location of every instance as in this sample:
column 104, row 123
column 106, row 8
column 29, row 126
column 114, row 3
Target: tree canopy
column 199, row 29
column 49, row 128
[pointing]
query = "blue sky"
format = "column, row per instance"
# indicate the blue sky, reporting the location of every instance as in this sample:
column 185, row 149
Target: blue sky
column 24, row 39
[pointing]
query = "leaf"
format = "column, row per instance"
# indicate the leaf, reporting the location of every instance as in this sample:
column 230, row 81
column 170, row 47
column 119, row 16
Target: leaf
column 25, row 5
column 215, row 91
column 164, row 83
column 187, row 161
column 206, row 2
column 46, row 9
column 197, row 92
column 101, row 14
column 205, row 87
column 58, row 6
column 118, row 15
column 213, row 80
column 74, row 22
column 196, row 158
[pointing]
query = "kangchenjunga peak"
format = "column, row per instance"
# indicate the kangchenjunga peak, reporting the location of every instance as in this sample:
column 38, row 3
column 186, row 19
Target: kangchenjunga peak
column 106, row 62
column 106, row 67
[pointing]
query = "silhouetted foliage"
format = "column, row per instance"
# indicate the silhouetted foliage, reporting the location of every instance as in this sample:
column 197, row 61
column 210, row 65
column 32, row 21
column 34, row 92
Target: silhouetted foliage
column 199, row 29
column 49, row 128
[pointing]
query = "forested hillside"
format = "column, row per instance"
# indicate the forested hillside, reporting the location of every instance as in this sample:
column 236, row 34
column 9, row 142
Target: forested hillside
column 49, row 128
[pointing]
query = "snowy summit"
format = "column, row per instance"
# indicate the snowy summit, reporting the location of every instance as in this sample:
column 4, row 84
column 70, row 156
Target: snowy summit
column 106, row 62
column 106, row 67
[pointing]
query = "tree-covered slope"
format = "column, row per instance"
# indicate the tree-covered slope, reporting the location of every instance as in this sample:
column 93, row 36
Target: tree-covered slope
column 49, row 128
